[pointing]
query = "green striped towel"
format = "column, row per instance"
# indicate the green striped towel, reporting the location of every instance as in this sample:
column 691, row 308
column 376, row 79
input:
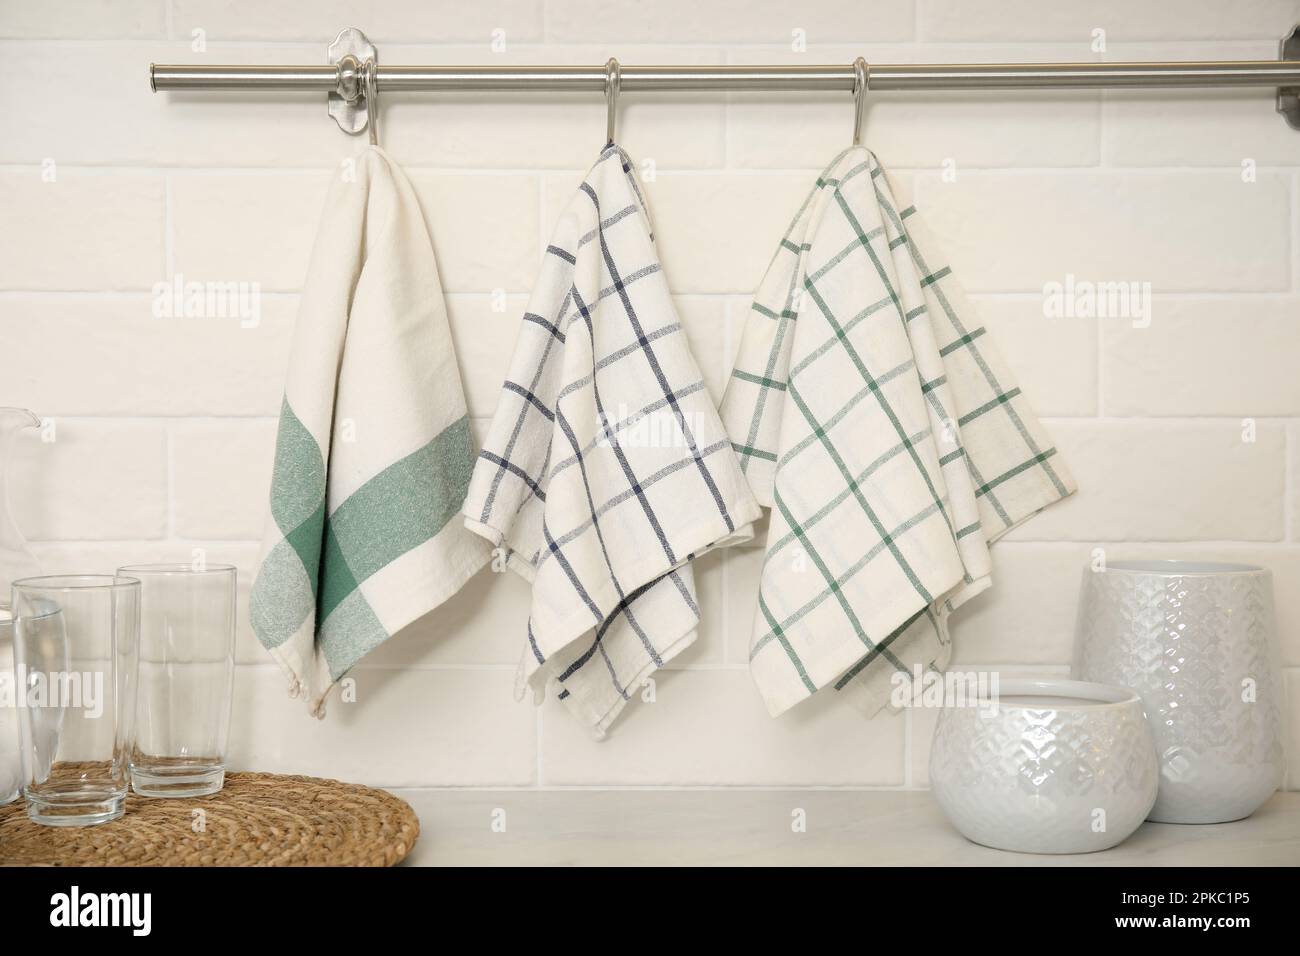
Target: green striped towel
column 872, row 414
column 374, row 452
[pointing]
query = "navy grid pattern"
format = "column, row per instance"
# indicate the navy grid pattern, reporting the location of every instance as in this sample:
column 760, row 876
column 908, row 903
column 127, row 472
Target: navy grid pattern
column 602, row 525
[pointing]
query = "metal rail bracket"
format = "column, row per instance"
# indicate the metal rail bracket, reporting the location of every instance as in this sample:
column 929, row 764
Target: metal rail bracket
column 1288, row 97
column 350, row 49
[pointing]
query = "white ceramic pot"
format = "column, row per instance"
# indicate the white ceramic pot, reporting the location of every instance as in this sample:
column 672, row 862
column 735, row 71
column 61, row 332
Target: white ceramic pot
column 1195, row 640
column 1048, row 766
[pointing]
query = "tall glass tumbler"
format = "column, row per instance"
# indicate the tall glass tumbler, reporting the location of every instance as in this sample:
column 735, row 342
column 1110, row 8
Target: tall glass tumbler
column 187, row 668
column 76, row 640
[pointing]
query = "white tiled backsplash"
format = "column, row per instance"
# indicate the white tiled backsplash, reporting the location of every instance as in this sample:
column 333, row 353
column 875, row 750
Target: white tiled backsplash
column 165, row 426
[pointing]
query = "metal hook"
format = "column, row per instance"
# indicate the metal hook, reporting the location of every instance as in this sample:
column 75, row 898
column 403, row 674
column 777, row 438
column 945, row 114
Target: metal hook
column 613, row 81
column 370, row 83
column 859, row 98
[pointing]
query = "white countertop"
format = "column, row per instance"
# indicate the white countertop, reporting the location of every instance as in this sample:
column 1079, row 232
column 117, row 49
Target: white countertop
column 745, row 827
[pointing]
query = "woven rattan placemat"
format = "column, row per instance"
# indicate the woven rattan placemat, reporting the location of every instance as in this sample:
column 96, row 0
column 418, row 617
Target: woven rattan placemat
column 258, row 819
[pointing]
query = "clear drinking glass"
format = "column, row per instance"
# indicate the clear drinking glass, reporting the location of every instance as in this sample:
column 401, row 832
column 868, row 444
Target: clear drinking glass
column 75, row 644
column 16, row 561
column 187, row 668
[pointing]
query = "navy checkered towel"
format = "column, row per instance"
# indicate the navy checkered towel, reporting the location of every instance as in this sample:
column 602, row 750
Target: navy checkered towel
column 874, row 417
column 606, row 467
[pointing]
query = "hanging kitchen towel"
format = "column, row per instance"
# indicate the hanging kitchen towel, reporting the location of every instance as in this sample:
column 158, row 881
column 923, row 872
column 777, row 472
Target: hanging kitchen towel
column 606, row 467
column 872, row 414
column 374, row 452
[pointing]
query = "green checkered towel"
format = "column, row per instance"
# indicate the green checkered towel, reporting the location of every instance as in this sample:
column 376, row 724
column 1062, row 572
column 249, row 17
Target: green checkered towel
column 374, row 452
column 873, row 416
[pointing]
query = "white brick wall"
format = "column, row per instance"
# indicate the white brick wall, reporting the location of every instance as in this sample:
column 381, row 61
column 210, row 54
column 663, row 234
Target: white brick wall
column 165, row 426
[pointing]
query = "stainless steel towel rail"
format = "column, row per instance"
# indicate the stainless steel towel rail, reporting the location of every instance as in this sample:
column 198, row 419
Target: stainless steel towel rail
column 351, row 55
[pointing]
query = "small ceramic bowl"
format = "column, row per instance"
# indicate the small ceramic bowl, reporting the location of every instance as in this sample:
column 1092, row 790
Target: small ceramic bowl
column 1046, row 766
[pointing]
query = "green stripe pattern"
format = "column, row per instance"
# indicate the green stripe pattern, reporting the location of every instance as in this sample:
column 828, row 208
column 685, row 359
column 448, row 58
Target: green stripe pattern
column 319, row 565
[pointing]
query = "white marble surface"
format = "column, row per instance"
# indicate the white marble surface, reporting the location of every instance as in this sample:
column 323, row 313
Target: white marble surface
column 755, row 827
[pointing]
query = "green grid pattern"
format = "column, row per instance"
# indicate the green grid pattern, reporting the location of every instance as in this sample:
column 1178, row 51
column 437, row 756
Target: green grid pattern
column 855, row 369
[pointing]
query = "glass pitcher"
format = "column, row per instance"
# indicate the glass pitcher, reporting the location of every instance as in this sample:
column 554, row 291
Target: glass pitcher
column 16, row 561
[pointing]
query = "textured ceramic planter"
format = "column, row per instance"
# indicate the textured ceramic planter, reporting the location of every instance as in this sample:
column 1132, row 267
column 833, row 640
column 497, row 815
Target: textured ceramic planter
column 1195, row 640
column 1059, row 767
